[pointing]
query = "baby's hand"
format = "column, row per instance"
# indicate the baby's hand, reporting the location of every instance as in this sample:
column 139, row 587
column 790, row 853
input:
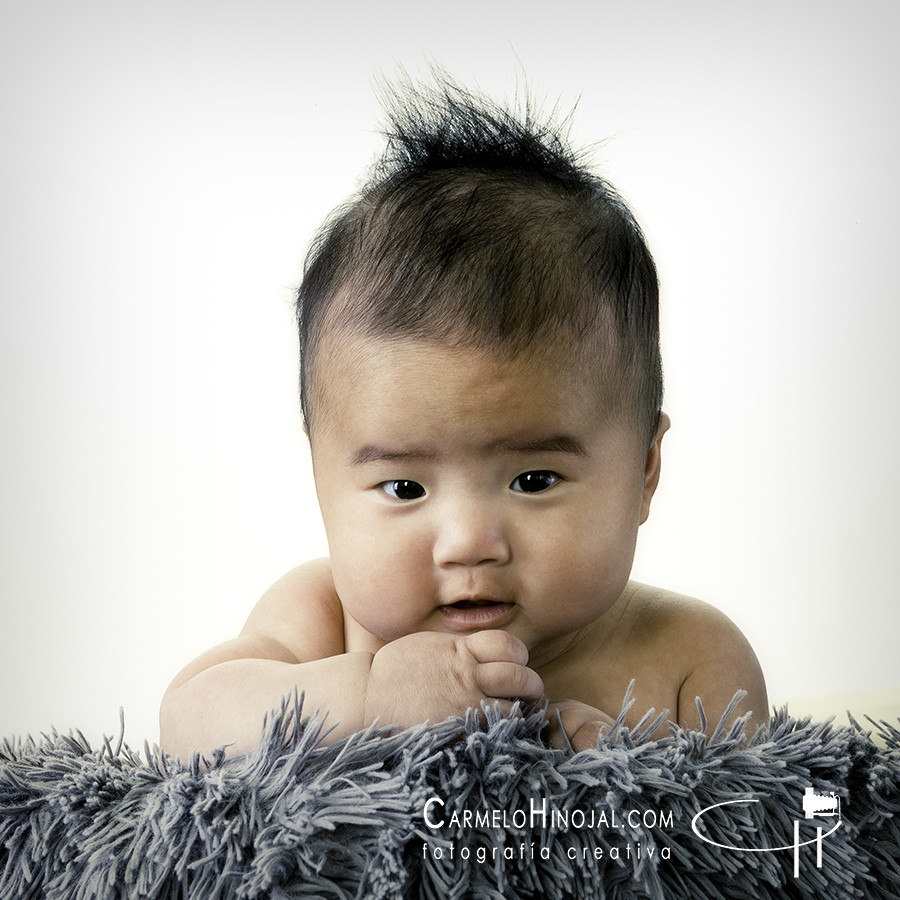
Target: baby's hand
column 581, row 723
column 430, row 676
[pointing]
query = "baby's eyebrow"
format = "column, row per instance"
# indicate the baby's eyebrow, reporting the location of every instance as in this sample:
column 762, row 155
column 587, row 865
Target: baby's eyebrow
column 557, row 443
column 374, row 453
column 522, row 446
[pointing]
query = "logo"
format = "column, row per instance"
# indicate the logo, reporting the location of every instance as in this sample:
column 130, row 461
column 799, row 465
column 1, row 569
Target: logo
column 814, row 805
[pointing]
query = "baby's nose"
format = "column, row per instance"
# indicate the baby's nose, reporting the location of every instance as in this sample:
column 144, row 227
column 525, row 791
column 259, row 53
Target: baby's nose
column 471, row 535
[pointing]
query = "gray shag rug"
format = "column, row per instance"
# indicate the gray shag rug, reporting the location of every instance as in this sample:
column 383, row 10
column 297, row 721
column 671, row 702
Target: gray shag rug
column 467, row 808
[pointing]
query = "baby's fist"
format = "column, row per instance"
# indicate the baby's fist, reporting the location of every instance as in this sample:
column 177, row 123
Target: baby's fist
column 501, row 669
column 431, row 675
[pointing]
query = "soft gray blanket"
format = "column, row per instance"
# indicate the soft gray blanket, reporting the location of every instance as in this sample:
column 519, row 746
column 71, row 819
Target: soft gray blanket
column 475, row 808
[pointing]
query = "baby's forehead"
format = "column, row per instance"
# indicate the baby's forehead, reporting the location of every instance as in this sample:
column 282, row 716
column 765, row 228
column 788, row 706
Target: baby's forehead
column 562, row 364
column 388, row 403
column 538, row 358
column 364, row 378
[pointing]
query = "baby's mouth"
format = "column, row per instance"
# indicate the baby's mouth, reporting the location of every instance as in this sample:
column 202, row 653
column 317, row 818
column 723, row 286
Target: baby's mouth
column 476, row 612
column 474, row 604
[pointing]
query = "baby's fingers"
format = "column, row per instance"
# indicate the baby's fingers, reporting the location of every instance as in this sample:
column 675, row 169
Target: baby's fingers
column 582, row 725
column 496, row 646
column 506, row 679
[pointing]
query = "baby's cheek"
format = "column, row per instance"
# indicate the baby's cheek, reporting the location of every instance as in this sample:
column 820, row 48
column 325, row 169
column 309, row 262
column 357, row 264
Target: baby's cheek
column 586, row 588
column 605, row 559
column 380, row 604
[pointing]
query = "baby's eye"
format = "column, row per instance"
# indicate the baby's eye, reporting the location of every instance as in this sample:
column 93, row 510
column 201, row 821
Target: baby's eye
column 403, row 490
column 534, row 482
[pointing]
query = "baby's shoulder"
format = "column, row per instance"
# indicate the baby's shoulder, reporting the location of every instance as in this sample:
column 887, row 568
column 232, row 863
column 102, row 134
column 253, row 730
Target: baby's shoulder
column 302, row 612
column 701, row 645
column 655, row 611
column 662, row 618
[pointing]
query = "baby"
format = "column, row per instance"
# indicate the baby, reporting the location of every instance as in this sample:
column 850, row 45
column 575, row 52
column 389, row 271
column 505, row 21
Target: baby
column 481, row 387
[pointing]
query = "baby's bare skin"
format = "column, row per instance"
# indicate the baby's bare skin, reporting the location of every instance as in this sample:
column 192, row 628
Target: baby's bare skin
column 426, row 676
column 482, row 514
column 674, row 647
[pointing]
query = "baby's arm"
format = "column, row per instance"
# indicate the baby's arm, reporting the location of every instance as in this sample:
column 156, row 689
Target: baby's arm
column 294, row 638
column 220, row 698
column 722, row 662
column 686, row 649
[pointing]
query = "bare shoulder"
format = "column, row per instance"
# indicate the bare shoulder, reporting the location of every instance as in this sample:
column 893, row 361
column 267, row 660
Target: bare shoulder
column 709, row 652
column 298, row 619
column 663, row 615
column 302, row 612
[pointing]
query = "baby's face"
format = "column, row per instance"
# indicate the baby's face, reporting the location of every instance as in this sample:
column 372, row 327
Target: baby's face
column 461, row 491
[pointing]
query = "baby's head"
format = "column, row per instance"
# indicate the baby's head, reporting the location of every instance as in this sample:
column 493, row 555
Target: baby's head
column 483, row 230
column 481, row 380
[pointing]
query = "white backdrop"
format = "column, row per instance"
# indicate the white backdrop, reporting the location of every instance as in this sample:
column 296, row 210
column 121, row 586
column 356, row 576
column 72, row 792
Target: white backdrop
column 163, row 167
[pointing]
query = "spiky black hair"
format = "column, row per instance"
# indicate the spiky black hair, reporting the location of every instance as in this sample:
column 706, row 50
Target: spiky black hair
column 482, row 227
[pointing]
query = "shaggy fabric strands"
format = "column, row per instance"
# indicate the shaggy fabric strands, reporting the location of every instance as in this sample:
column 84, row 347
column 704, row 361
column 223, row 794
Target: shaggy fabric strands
column 475, row 808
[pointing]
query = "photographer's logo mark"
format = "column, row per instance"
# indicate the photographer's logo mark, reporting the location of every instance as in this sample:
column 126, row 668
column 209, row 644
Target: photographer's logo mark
column 814, row 805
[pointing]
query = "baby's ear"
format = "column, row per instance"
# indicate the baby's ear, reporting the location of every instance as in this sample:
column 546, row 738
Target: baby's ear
column 652, row 467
